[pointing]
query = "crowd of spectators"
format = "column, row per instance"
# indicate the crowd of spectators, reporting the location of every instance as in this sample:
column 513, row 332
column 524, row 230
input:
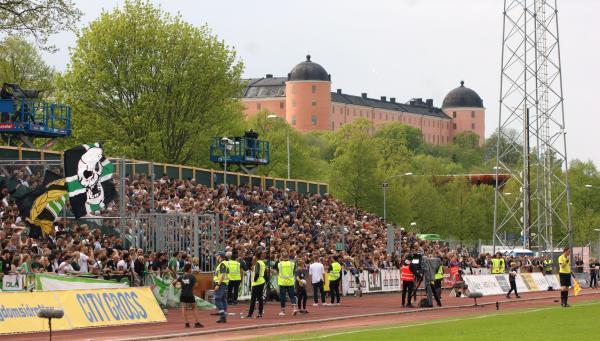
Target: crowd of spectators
column 306, row 226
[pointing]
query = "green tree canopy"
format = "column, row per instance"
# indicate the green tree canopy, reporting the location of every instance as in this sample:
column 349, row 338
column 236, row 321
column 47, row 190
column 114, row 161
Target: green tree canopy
column 37, row 18
column 152, row 86
column 22, row 64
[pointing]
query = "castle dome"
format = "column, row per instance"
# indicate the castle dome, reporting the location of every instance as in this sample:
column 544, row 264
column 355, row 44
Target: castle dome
column 462, row 97
column 308, row 71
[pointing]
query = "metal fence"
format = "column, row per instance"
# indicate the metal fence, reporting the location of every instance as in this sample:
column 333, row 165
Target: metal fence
column 199, row 235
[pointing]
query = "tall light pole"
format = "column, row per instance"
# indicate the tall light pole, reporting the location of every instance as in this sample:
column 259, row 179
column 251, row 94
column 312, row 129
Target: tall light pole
column 271, row 117
column 390, row 230
column 227, row 145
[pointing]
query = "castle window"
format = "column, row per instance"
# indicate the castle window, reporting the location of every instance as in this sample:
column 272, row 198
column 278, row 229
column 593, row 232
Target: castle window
column 293, row 89
column 454, row 114
column 314, row 89
column 454, row 124
column 472, row 114
column 293, row 120
column 258, row 106
column 314, row 103
column 332, row 125
column 313, row 120
column 281, row 104
column 473, row 126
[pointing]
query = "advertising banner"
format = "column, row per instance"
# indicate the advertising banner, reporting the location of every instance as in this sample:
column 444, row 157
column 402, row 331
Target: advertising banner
column 46, row 282
column 487, row 284
column 552, row 281
column 12, row 282
column 83, row 309
column 18, row 312
column 109, row 307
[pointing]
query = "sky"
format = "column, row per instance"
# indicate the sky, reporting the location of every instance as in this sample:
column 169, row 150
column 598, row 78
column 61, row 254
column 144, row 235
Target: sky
column 394, row 48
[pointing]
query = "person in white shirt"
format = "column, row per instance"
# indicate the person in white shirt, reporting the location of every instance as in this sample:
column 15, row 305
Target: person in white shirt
column 316, row 271
column 65, row 267
column 83, row 260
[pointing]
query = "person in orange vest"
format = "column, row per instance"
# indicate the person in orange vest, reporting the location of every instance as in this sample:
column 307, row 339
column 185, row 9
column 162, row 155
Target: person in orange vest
column 407, row 276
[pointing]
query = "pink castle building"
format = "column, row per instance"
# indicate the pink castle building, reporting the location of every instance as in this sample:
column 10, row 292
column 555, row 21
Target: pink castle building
column 305, row 100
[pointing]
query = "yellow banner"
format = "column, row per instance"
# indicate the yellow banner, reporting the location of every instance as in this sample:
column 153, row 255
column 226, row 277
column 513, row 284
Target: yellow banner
column 83, row 309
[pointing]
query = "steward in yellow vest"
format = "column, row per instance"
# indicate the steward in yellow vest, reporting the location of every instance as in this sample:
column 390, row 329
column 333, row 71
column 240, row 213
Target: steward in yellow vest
column 498, row 264
column 235, row 278
column 258, row 285
column 334, row 274
column 220, row 280
column 285, row 280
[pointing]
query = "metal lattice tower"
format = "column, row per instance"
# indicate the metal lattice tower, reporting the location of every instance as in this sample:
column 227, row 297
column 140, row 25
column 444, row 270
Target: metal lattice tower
column 531, row 144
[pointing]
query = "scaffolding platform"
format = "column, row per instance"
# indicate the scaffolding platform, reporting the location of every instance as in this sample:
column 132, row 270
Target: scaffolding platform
column 34, row 118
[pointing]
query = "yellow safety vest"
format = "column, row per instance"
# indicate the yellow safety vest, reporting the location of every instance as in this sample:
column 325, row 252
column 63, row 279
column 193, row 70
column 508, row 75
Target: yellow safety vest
column 261, row 274
column 285, row 277
column 217, row 274
column 497, row 266
column 564, row 264
column 334, row 274
column 234, row 270
column 440, row 273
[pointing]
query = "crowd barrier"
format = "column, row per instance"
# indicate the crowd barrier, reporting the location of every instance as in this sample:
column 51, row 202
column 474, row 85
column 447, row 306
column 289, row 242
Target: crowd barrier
column 82, row 309
column 526, row 282
column 50, row 281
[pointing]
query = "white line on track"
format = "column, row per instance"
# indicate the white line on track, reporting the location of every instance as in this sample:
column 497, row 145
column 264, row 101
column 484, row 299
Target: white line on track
column 430, row 323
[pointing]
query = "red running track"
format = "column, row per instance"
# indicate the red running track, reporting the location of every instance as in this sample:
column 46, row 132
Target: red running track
column 388, row 305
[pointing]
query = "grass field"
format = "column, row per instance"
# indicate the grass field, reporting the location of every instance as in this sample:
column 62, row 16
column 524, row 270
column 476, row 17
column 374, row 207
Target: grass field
column 579, row 322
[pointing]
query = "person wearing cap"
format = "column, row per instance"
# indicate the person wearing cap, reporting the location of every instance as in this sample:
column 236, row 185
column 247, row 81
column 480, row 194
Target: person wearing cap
column 335, row 276
column 221, row 282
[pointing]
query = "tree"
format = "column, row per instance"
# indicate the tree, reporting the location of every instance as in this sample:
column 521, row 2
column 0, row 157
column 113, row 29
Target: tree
column 466, row 140
column 37, row 18
column 21, row 63
column 152, row 86
column 391, row 141
column 354, row 167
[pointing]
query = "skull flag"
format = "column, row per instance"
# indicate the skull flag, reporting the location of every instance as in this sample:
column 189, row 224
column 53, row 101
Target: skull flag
column 89, row 179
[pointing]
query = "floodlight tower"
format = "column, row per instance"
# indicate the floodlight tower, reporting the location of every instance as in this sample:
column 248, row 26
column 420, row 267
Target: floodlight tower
column 531, row 141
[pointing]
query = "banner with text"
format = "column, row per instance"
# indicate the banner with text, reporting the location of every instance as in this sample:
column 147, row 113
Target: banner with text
column 83, row 309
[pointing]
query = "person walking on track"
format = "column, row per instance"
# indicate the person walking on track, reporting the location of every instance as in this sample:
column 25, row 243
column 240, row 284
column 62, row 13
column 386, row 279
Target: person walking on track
column 186, row 298
column 512, row 279
column 221, row 281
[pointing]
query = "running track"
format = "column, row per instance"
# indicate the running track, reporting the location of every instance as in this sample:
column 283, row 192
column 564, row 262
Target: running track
column 350, row 314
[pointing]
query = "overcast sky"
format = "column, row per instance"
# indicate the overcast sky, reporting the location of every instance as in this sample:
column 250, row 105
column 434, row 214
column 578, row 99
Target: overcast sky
column 395, row 48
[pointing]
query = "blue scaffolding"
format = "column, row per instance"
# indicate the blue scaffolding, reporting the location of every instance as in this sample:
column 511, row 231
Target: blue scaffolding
column 244, row 152
column 34, row 118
